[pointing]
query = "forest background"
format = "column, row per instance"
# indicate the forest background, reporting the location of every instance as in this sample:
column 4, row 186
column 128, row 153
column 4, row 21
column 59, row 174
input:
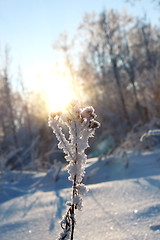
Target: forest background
column 113, row 63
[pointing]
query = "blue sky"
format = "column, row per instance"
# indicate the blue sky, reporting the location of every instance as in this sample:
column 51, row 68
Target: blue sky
column 30, row 27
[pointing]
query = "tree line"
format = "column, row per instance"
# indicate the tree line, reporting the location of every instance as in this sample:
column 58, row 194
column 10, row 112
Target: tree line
column 114, row 62
column 118, row 68
column 25, row 139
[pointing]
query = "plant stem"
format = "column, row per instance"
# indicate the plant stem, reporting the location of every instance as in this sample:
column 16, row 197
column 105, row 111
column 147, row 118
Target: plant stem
column 73, row 208
column 74, row 187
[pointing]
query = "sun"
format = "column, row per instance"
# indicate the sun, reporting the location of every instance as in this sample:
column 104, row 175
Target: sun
column 56, row 84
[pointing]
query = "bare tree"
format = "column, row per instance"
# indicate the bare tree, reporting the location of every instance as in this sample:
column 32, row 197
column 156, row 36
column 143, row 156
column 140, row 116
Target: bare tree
column 102, row 51
column 7, row 104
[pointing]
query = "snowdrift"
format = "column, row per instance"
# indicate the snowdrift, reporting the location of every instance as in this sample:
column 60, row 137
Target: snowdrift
column 121, row 204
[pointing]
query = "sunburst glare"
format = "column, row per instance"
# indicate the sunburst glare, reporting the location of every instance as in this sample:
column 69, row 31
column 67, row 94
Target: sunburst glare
column 56, row 84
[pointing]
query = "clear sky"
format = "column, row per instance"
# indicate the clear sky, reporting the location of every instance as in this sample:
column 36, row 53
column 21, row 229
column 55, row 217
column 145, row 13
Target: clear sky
column 30, row 27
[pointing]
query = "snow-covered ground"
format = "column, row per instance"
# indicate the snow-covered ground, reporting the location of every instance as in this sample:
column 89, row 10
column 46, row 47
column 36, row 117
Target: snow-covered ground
column 121, row 204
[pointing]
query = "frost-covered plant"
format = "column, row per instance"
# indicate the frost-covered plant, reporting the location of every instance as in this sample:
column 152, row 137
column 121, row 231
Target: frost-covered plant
column 155, row 132
column 81, row 124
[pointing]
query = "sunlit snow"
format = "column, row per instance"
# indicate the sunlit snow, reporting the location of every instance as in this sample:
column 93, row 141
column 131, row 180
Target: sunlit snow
column 121, row 204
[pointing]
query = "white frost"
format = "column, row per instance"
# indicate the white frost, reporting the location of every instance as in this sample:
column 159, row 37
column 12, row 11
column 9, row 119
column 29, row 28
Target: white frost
column 82, row 125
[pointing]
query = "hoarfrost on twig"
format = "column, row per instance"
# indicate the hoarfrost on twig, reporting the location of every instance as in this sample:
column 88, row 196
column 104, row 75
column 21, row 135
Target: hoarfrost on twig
column 155, row 132
column 82, row 125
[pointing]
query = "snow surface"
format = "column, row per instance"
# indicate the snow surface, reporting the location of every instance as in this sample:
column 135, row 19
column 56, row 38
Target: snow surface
column 121, row 204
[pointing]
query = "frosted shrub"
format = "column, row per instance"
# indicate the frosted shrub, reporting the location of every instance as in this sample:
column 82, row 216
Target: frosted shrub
column 155, row 132
column 81, row 124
